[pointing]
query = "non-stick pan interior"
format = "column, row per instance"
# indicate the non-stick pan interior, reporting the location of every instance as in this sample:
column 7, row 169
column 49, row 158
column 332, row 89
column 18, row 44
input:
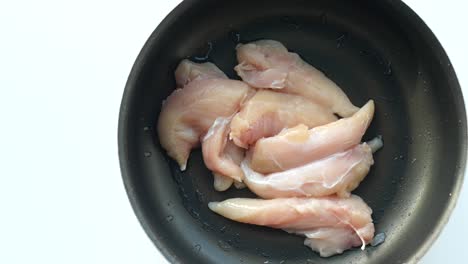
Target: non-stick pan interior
column 373, row 50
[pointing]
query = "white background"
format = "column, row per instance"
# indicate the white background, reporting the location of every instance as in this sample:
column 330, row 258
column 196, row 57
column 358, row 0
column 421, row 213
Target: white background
column 63, row 67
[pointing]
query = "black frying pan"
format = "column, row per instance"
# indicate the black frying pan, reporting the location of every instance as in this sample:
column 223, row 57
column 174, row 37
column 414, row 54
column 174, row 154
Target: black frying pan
column 372, row 49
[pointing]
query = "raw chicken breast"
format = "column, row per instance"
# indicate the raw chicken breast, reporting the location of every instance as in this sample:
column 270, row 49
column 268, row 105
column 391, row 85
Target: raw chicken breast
column 220, row 155
column 268, row 64
column 188, row 71
column 188, row 113
column 339, row 173
column 298, row 146
column 268, row 112
column 221, row 183
column 330, row 224
column 332, row 241
column 236, row 154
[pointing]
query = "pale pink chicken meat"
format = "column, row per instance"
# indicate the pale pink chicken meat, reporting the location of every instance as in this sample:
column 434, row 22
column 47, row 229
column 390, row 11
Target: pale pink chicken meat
column 221, row 182
column 236, row 154
column 269, row 112
column 188, row 113
column 339, row 174
column 331, row 225
column 299, row 145
column 188, row 71
column 268, row 64
column 221, row 156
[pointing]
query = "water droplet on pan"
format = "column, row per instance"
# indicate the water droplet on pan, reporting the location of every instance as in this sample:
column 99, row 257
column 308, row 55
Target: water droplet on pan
column 378, row 239
column 197, row 248
column 206, row 226
column 200, row 196
column 388, row 69
column 205, row 57
column 147, row 154
column 224, row 245
column 194, row 213
column 340, row 41
column 169, row 218
column 235, row 36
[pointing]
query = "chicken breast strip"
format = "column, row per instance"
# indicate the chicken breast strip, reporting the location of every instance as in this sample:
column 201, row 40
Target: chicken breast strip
column 222, row 182
column 330, row 224
column 339, row 174
column 268, row 64
column 269, row 112
column 188, row 113
column 298, row 146
column 220, row 155
column 188, row 71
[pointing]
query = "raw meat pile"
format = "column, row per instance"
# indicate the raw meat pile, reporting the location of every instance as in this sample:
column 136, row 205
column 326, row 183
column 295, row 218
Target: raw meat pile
column 276, row 132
